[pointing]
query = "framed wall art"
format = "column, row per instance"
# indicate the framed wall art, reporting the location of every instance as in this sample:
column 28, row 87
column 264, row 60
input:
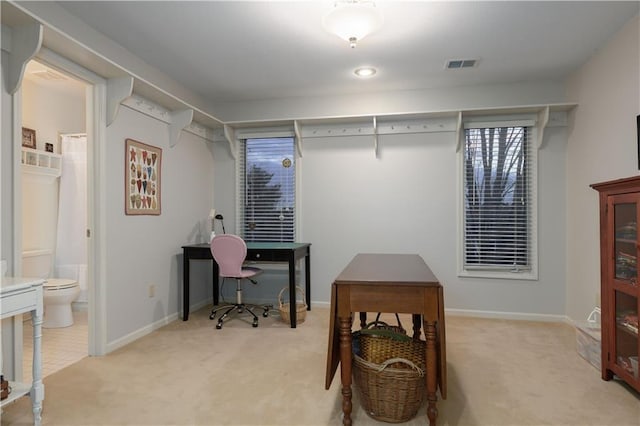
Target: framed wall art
column 142, row 178
column 28, row 138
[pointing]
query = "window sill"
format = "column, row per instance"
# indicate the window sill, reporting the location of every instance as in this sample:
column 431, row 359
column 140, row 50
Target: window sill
column 506, row 275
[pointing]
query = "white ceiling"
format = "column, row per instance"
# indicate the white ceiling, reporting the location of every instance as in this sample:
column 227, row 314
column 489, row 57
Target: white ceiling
column 255, row 50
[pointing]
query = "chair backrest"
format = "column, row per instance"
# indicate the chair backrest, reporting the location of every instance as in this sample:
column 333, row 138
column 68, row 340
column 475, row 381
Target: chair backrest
column 229, row 251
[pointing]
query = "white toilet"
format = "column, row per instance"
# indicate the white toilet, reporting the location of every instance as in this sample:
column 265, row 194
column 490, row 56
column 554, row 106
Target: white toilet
column 58, row 292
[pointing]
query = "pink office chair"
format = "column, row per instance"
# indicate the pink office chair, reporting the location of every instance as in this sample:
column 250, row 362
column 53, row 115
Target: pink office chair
column 229, row 252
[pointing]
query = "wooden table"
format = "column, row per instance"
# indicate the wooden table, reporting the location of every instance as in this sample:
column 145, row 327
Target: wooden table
column 288, row 253
column 400, row 283
column 18, row 296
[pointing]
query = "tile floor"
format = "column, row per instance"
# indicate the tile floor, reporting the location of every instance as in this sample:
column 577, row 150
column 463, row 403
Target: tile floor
column 61, row 347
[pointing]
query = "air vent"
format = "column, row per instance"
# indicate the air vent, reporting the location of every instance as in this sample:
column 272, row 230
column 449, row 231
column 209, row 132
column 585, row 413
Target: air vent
column 48, row 75
column 456, row 64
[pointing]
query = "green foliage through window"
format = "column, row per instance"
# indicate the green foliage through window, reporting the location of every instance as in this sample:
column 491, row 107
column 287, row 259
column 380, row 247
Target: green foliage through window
column 268, row 209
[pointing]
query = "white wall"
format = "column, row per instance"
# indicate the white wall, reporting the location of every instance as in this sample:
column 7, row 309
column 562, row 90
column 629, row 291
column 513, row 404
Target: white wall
column 48, row 108
column 146, row 250
column 407, row 101
column 6, row 213
column 51, row 108
column 405, row 202
column 602, row 146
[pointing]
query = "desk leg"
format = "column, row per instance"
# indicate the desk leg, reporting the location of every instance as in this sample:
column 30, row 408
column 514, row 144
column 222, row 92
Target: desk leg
column 185, row 286
column 417, row 325
column 432, row 371
column 307, row 278
column 345, row 368
column 37, row 389
column 292, row 290
column 216, row 290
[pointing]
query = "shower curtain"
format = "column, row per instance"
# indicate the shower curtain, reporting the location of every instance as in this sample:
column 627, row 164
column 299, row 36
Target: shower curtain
column 71, row 242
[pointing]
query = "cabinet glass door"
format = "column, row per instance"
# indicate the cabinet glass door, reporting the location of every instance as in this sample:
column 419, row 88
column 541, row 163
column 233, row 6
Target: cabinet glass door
column 627, row 333
column 625, row 242
column 626, row 286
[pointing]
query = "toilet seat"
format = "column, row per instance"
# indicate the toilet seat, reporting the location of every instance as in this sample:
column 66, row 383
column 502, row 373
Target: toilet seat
column 53, row 284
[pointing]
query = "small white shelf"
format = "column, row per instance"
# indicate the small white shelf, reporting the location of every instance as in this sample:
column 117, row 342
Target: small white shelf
column 43, row 162
column 18, row 389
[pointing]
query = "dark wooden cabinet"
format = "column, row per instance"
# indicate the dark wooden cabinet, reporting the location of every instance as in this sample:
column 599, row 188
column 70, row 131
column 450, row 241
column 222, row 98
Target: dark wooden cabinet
column 620, row 293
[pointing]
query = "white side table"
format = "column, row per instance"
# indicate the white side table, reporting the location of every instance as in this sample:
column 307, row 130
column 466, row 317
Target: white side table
column 17, row 296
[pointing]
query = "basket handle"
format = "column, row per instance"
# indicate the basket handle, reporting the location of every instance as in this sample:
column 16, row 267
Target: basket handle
column 402, row 360
column 397, row 319
column 298, row 289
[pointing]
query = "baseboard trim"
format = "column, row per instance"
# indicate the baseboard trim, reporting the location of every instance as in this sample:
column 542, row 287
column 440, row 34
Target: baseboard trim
column 135, row 335
column 488, row 314
column 80, row 306
column 507, row 315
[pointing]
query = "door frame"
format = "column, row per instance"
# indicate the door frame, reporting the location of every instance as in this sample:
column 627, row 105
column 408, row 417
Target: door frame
column 95, row 110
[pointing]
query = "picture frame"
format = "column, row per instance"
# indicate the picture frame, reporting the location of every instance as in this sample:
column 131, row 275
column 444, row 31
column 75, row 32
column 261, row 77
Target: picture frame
column 142, row 178
column 48, row 147
column 28, row 138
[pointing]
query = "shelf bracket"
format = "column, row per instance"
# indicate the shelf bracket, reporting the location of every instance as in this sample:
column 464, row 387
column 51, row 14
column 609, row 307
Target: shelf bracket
column 298, row 134
column 543, row 119
column 179, row 120
column 230, row 136
column 118, row 89
column 459, row 132
column 375, row 137
column 25, row 43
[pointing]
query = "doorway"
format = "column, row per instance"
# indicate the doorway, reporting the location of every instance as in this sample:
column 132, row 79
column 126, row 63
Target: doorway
column 54, row 203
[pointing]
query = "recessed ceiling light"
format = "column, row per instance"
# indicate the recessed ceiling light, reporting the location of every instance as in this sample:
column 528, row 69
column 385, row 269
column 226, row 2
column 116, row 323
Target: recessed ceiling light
column 365, row 72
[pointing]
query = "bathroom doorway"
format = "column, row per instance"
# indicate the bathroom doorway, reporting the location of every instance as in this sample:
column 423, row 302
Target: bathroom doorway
column 54, row 203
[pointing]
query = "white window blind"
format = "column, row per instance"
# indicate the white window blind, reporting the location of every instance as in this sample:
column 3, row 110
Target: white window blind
column 266, row 189
column 499, row 175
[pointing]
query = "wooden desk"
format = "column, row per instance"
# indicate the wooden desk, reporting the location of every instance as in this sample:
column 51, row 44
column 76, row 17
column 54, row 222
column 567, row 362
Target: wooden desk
column 17, row 296
column 401, row 283
column 259, row 252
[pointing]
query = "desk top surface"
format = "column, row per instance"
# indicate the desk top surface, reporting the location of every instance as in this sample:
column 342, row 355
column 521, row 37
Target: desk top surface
column 259, row 246
column 369, row 268
column 8, row 284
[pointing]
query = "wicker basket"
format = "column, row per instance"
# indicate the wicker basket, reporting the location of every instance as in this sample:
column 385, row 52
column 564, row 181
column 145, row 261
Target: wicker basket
column 387, row 393
column 301, row 307
column 377, row 346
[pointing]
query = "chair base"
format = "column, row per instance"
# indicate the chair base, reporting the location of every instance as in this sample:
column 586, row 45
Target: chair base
column 238, row 308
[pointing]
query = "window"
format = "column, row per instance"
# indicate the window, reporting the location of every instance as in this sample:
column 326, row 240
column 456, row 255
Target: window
column 499, row 170
column 266, row 193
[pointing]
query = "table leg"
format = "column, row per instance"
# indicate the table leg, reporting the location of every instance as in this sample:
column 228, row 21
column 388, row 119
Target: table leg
column 292, row 290
column 432, row 371
column 363, row 319
column 345, row 368
column 37, row 388
column 185, row 286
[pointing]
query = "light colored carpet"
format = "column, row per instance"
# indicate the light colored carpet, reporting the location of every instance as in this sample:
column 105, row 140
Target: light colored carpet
column 499, row 373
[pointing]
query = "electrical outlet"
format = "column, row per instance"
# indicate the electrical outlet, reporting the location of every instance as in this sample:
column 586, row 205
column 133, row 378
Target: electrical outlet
column 152, row 290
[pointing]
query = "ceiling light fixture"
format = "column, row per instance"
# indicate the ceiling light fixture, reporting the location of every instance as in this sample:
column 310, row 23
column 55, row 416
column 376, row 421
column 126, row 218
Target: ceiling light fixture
column 353, row 20
column 365, row 72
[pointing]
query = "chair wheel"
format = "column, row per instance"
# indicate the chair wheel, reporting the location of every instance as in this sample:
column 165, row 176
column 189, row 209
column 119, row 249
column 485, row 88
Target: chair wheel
column 212, row 316
column 219, row 326
column 265, row 314
column 255, row 324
